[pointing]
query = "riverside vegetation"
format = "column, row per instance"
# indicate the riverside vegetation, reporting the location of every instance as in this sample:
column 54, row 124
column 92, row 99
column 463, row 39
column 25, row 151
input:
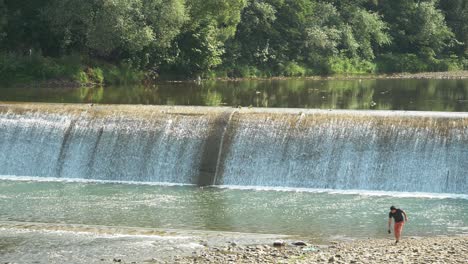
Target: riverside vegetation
column 95, row 42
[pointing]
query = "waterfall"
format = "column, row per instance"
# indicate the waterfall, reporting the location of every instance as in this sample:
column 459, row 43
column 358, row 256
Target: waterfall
column 101, row 143
column 297, row 148
column 389, row 151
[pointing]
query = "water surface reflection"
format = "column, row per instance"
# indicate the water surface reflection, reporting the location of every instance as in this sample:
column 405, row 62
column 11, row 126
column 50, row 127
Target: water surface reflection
column 382, row 94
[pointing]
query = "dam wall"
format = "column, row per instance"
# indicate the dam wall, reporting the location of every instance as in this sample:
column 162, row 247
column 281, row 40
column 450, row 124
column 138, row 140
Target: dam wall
column 296, row 148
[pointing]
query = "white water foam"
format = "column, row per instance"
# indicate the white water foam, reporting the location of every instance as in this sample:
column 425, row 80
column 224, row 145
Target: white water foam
column 93, row 230
column 252, row 188
column 350, row 192
column 79, row 180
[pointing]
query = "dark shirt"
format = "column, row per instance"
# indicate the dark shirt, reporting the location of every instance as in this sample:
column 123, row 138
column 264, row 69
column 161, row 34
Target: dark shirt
column 398, row 215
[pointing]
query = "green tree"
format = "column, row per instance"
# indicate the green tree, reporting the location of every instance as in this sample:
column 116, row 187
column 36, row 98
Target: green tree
column 271, row 34
column 222, row 15
column 201, row 46
column 369, row 32
column 323, row 32
column 416, row 26
column 199, row 51
column 235, row 37
column 456, row 14
column 278, row 34
column 119, row 25
column 362, row 27
column 252, row 41
column 117, row 29
column 3, row 19
column 432, row 30
column 24, row 27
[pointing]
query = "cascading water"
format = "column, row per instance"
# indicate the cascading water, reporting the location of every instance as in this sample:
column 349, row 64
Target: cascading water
column 104, row 144
column 391, row 151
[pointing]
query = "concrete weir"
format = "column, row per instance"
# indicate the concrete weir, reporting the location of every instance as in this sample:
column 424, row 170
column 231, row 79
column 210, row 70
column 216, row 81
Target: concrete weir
column 297, row 148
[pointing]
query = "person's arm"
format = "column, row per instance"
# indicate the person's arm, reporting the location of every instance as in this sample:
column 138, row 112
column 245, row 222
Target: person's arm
column 389, row 224
column 406, row 217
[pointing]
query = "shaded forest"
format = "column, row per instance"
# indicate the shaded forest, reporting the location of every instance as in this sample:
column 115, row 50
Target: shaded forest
column 122, row 41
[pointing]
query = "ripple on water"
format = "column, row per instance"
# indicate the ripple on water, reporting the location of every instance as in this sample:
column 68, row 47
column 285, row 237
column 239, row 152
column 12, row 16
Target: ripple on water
column 280, row 211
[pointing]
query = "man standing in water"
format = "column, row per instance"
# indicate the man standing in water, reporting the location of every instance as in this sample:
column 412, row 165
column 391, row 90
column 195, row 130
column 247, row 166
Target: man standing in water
column 397, row 215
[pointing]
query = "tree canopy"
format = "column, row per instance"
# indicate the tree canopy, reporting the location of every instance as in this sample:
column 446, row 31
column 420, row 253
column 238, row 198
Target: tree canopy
column 243, row 37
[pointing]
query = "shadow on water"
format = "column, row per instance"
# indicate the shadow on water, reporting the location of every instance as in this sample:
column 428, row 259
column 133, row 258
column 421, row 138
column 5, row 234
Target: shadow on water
column 212, row 209
column 211, row 150
column 386, row 94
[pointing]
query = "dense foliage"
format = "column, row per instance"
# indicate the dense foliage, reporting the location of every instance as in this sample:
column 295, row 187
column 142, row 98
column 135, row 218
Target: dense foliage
column 98, row 39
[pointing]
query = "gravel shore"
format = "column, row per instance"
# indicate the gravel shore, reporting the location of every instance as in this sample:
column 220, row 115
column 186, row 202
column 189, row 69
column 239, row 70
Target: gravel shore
column 402, row 75
column 409, row 250
column 40, row 243
column 429, row 75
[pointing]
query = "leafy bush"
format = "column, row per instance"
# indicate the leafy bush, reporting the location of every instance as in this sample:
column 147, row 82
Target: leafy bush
column 81, row 77
column 389, row 63
column 292, row 69
column 453, row 63
column 246, row 71
column 96, row 75
column 213, row 74
column 344, row 65
column 121, row 74
column 242, row 71
column 464, row 63
column 16, row 68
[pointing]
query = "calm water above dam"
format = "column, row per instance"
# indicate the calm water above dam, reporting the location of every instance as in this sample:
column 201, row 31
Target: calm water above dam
column 382, row 94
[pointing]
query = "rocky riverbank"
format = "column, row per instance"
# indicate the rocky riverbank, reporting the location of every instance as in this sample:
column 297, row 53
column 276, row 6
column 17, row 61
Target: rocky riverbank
column 402, row 75
column 429, row 75
column 26, row 242
column 409, row 250
column 67, row 83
